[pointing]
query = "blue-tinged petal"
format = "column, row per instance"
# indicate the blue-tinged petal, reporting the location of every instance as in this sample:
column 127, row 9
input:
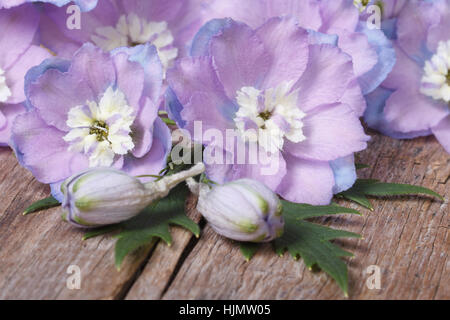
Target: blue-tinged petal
column 344, row 172
column 34, row 73
column 55, row 189
column 200, row 44
column 147, row 56
column 374, row 115
column 389, row 27
column 386, row 59
column 174, row 107
column 316, row 37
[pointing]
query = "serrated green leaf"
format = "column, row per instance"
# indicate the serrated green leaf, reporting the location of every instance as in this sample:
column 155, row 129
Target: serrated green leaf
column 100, row 231
column 311, row 241
column 248, row 249
column 129, row 244
column 153, row 222
column 306, row 211
column 357, row 197
column 396, row 189
column 43, row 204
column 370, row 187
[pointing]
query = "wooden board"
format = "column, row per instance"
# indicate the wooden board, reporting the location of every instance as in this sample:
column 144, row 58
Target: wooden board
column 407, row 238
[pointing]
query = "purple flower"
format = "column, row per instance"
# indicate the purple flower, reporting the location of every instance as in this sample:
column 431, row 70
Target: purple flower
column 414, row 100
column 167, row 24
column 333, row 21
column 17, row 54
column 85, row 5
column 277, row 81
column 97, row 110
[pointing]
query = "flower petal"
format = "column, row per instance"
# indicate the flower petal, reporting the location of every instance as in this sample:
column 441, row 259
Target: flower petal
column 288, row 45
column 33, row 56
column 327, row 76
column 156, row 159
column 18, row 27
column 201, row 94
column 442, row 133
column 332, row 131
column 8, row 112
column 307, row 182
column 240, row 58
column 49, row 160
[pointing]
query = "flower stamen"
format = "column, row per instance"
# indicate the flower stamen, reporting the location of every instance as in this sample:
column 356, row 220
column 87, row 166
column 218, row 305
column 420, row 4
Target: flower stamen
column 101, row 131
column 270, row 116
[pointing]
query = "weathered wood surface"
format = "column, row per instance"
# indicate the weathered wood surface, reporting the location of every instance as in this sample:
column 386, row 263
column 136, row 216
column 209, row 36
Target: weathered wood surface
column 408, row 238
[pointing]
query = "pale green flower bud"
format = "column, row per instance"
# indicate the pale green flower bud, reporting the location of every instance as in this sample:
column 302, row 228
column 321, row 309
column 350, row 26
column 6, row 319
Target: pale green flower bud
column 103, row 196
column 243, row 210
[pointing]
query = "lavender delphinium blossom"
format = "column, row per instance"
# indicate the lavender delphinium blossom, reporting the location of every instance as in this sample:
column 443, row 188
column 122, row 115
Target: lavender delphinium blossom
column 167, row 24
column 415, row 98
column 97, row 110
column 85, row 5
column 17, row 54
column 334, row 21
column 272, row 81
column 337, row 22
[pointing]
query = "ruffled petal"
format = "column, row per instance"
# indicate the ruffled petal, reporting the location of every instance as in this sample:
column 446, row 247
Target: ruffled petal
column 199, row 91
column 156, row 158
column 49, row 160
column 331, row 131
column 240, row 58
column 18, row 27
column 288, row 46
column 327, row 76
column 33, row 56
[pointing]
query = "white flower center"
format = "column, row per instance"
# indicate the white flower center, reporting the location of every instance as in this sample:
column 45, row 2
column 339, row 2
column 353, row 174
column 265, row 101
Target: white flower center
column 132, row 30
column 5, row 93
column 269, row 116
column 436, row 78
column 101, row 130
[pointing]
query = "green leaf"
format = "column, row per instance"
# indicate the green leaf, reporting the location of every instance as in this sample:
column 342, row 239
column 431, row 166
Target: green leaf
column 371, row 187
column 43, row 204
column 311, row 241
column 396, row 189
column 131, row 243
column 360, row 166
column 305, row 211
column 248, row 249
column 357, row 197
column 153, row 222
column 101, row 231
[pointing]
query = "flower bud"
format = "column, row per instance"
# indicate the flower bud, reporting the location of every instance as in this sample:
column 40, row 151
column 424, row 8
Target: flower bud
column 243, row 210
column 103, row 196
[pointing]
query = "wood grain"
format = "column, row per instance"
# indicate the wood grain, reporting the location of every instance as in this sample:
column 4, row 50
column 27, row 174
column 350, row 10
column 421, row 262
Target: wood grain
column 407, row 238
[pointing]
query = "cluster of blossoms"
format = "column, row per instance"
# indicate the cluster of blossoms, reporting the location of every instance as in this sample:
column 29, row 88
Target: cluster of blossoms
column 291, row 79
